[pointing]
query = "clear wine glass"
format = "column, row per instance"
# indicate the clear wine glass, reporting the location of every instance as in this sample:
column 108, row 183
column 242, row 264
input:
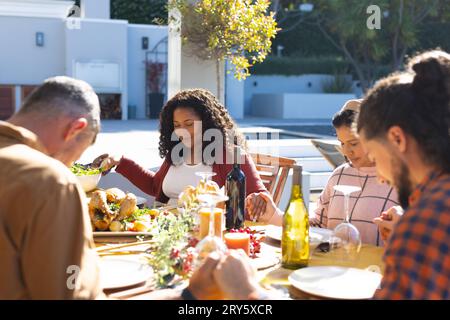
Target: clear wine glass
column 205, row 175
column 211, row 243
column 346, row 236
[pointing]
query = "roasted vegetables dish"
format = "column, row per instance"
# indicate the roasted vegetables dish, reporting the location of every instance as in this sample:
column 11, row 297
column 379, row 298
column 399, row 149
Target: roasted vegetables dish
column 115, row 210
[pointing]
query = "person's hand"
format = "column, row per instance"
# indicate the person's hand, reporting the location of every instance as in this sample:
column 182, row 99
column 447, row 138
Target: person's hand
column 202, row 283
column 260, row 207
column 236, row 277
column 315, row 223
column 256, row 206
column 387, row 221
column 106, row 162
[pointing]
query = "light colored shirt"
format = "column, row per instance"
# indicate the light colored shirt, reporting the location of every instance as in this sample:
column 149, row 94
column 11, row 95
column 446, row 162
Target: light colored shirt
column 364, row 205
column 181, row 176
column 45, row 232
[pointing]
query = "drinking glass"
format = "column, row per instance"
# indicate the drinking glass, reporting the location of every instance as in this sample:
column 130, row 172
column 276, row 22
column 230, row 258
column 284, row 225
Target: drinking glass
column 346, row 237
column 211, row 243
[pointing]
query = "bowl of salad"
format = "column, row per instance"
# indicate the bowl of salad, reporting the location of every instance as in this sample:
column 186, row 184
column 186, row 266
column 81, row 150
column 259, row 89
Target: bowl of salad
column 88, row 176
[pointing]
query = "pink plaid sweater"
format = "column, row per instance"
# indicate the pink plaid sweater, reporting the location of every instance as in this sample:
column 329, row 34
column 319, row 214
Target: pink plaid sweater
column 364, row 206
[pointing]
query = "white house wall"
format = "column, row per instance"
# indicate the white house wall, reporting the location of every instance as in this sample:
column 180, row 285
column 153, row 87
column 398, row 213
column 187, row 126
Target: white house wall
column 24, row 63
column 102, row 41
column 96, row 9
column 298, row 105
column 21, row 61
column 282, row 84
column 234, row 94
column 196, row 73
column 313, row 105
column 268, row 105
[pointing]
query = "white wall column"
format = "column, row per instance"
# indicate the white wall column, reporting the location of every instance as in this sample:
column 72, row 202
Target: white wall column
column 234, row 95
column 174, row 55
column 124, row 103
column 18, row 98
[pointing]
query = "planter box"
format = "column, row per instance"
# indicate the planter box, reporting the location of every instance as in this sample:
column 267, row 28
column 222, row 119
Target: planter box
column 298, row 105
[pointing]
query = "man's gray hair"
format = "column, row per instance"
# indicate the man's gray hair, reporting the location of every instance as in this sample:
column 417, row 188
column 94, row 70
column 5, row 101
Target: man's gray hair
column 64, row 96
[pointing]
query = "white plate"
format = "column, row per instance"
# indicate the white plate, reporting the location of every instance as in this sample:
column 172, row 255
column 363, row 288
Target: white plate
column 266, row 258
column 262, row 262
column 140, row 200
column 316, row 235
column 336, row 282
column 118, row 273
column 120, row 234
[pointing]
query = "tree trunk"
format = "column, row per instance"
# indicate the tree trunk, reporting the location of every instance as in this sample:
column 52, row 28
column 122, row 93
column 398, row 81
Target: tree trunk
column 397, row 58
column 343, row 48
column 359, row 72
column 402, row 57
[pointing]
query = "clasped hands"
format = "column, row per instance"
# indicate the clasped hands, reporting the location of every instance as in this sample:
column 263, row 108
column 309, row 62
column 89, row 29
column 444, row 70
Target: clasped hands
column 260, row 207
column 225, row 276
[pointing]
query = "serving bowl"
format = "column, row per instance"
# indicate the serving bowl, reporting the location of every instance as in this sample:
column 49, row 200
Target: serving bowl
column 89, row 182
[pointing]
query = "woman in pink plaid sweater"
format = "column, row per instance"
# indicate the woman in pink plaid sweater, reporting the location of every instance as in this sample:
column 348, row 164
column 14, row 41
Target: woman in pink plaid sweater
column 365, row 205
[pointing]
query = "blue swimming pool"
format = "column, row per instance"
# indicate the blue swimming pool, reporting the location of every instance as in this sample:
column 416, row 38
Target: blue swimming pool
column 325, row 130
column 292, row 132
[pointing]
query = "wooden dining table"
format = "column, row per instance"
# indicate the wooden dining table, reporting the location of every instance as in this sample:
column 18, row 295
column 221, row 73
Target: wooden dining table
column 276, row 277
column 271, row 274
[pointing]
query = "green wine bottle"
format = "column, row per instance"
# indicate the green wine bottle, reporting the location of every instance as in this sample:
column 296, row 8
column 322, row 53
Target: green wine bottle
column 295, row 237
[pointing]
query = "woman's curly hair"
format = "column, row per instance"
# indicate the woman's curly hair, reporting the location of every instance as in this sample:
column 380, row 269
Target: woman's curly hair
column 211, row 112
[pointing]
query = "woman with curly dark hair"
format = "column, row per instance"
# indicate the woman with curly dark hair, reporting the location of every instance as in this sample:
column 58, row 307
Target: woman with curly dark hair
column 196, row 134
column 194, row 115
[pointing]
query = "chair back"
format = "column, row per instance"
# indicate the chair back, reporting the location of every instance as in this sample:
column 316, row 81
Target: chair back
column 273, row 172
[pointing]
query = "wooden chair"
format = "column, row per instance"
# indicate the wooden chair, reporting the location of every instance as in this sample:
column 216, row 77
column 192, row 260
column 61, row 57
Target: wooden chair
column 273, row 172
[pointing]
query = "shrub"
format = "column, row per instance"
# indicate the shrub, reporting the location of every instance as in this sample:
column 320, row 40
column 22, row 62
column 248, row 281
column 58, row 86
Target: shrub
column 297, row 66
column 140, row 11
column 340, row 83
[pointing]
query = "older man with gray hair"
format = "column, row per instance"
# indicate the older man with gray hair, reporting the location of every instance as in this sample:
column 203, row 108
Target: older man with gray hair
column 45, row 233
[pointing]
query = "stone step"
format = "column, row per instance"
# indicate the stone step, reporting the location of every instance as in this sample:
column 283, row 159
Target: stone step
column 314, row 164
column 284, row 148
column 290, row 148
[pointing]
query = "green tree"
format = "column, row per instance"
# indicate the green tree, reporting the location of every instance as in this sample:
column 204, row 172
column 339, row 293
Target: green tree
column 140, row 11
column 344, row 25
column 240, row 31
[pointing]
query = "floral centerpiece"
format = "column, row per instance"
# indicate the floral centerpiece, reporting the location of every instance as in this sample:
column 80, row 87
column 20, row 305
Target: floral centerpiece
column 172, row 254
